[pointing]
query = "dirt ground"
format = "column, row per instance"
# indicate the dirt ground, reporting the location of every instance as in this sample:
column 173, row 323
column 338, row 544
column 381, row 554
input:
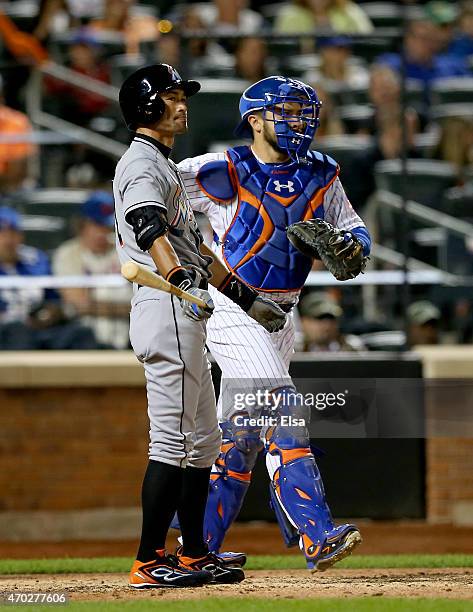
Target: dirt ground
column 408, row 537
column 446, row 583
column 263, row 538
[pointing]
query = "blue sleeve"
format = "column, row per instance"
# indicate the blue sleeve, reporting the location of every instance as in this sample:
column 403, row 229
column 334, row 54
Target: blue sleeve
column 41, row 266
column 44, row 268
column 393, row 60
column 363, row 236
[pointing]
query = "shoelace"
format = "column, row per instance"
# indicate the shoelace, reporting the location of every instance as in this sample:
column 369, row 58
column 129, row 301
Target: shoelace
column 172, row 560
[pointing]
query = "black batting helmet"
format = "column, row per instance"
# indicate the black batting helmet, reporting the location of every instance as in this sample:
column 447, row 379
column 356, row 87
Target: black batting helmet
column 139, row 94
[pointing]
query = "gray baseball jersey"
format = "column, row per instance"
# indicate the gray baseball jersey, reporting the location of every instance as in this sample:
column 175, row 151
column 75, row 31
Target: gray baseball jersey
column 181, row 401
column 145, row 177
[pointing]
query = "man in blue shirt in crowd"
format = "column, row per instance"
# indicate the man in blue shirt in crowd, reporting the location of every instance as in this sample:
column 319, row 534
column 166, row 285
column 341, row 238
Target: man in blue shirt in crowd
column 422, row 61
column 32, row 317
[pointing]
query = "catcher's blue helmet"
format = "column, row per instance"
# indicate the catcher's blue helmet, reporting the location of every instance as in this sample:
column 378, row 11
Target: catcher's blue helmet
column 278, row 91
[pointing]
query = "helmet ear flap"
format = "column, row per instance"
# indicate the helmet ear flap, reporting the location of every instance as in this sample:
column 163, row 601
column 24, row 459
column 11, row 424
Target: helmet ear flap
column 151, row 111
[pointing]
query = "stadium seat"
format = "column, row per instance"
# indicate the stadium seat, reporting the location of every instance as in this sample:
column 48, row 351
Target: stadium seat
column 284, row 48
column 61, row 205
column 427, row 179
column 355, row 117
column 370, row 48
column 415, row 94
column 458, row 202
column 392, row 340
column 23, row 14
column 452, row 90
column 344, row 149
column 270, row 12
column 213, row 115
column 443, row 111
column 425, row 142
column 384, row 14
column 111, row 43
column 45, row 232
column 123, row 65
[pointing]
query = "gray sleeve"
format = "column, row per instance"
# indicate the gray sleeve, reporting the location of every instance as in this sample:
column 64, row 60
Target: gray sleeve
column 142, row 185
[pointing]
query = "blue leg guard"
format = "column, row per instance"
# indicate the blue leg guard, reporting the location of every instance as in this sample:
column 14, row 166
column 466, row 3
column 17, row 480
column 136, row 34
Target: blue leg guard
column 297, row 494
column 229, row 481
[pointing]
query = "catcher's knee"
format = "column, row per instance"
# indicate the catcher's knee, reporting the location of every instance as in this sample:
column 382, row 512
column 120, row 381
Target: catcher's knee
column 239, row 449
column 291, row 417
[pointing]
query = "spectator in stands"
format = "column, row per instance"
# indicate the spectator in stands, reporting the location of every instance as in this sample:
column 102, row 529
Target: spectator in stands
column 462, row 42
column 385, row 96
column 231, row 17
column 104, row 309
column 202, row 56
column 14, row 156
column 443, row 16
column 77, row 104
column 118, row 16
column 424, row 319
column 385, row 125
column 456, row 145
column 31, row 317
column 423, row 63
column 343, row 16
column 335, row 68
column 251, row 56
column 62, row 15
column 330, row 122
column 463, row 321
column 320, row 321
column 49, row 13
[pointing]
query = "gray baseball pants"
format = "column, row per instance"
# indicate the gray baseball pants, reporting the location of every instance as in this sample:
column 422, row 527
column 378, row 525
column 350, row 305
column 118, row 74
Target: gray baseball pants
column 181, row 400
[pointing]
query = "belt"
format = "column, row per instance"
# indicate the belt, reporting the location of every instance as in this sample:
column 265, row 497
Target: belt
column 204, row 284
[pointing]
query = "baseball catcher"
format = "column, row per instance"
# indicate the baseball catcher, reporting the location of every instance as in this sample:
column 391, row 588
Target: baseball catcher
column 339, row 250
column 251, row 195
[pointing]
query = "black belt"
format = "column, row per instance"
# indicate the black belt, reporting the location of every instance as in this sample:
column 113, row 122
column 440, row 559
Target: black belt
column 204, row 284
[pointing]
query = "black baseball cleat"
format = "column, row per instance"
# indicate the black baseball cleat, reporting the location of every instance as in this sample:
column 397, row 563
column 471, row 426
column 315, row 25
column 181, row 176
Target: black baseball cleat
column 338, row 547
column 166, row 572
column 222, row 574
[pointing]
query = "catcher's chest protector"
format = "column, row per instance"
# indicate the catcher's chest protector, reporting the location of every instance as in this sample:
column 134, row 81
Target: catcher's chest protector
column 255, row 245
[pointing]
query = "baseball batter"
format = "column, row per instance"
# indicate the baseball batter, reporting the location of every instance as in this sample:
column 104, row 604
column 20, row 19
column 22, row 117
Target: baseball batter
column 251, row 194
column 155, row 226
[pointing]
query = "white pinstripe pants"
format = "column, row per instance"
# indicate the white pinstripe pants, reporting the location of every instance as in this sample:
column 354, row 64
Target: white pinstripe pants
column 243, row 349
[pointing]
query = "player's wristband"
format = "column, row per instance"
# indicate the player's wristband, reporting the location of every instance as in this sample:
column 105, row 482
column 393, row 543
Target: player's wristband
column 180, row 277
column 238, row 292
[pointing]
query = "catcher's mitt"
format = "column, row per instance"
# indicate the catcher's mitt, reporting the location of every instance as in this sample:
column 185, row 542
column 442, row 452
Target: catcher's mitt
column 339, row 250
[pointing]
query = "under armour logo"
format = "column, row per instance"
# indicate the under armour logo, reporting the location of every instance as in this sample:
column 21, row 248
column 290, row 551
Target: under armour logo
column 289, row 186
column 295, row 140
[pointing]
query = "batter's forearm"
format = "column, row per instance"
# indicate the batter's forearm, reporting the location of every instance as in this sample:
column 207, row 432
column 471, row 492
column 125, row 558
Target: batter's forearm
column 217, row 268
column 164, row 256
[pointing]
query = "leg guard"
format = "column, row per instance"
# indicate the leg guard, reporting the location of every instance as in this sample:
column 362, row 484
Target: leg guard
column 298, row 496
column 229, row 482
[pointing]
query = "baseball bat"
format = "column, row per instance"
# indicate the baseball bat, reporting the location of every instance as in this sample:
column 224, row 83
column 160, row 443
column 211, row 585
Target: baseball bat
column 136, row 273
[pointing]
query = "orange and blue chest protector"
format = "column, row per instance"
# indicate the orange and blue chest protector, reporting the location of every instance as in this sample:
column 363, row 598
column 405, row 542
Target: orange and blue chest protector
column 270, row 198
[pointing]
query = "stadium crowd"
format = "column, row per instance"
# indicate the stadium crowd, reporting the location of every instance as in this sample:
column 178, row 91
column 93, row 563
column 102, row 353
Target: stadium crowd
column 391, row 76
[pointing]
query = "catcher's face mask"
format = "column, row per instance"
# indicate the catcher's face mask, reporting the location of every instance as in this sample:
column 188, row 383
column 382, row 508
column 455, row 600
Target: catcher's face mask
column 295, row 115
column 291, row 105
